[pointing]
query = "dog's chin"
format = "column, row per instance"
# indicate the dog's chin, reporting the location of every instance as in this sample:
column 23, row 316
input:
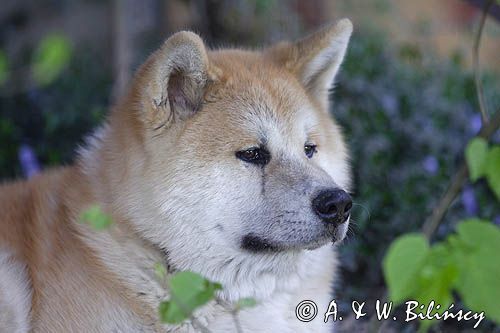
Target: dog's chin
column 258, row 244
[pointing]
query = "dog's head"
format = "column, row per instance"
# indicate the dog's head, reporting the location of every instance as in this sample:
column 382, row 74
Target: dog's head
column 240, row 152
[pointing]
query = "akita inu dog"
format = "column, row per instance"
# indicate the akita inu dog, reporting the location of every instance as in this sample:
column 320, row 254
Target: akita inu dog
column 222, row 162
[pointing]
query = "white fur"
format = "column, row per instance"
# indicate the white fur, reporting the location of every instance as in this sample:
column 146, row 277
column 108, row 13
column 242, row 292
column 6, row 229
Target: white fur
column 15, row 295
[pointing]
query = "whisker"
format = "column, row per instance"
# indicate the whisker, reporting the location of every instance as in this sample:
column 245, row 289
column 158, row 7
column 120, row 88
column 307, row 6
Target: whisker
column 353, row 225
column 367, row 211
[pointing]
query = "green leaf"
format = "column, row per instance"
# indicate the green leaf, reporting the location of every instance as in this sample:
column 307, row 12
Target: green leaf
column 475, row 155
column 474, row 232
column 50, row 58
column 4, row 67
column 160, row 271
column 479, row 267
column 96, row 218
column 402, row 262
column 493, row 170
column 246, row 302
column 170, row 313
column 188, row 292
column 435, row 281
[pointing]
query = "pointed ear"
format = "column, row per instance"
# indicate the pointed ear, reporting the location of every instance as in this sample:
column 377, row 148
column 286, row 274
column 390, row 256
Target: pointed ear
column 316, row 59
column 171, row 84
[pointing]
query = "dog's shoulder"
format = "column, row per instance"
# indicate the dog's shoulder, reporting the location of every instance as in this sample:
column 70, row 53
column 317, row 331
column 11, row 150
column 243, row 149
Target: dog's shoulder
column 26, row 206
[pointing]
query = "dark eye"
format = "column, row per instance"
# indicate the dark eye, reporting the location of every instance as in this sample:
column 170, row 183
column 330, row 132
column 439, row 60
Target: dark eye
column 310, row 150
column 254, row 155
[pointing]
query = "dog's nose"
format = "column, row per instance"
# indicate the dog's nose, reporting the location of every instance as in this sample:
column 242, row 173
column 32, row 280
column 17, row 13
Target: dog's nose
column 333, row 205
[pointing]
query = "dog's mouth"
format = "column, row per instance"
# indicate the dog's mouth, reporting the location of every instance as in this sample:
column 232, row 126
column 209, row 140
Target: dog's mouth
column 258, row 244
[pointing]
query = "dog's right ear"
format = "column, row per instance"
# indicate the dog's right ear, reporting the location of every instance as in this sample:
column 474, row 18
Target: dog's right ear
column 315, row 59
column 172, row 82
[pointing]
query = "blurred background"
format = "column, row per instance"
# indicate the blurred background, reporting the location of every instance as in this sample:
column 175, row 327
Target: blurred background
column 405, row 97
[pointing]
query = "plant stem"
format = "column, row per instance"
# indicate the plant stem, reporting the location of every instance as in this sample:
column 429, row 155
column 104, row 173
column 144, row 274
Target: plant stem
column 475, row 55
column 234, row 314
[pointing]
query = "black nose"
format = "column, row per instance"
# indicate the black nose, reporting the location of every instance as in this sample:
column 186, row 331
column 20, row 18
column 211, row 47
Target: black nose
column 333, row 206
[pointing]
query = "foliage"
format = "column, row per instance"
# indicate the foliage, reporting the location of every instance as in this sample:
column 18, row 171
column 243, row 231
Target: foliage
column 484, row 162
column 407, row 118
column 96, row 218
column 465, row 262
column 188, row 291
column 403, row 263
column 246, row 302
column 476, row 155
column 51, row 57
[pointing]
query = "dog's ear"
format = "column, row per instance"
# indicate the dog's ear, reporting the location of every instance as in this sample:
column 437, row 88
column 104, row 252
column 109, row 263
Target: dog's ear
column 171, row 84
column 316, row 59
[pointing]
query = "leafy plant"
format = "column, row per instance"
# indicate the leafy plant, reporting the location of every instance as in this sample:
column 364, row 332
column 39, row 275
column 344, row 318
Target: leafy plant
column 484, row 162
column 96, row 218
column 464, row 261
column 51, row 57
column 188, row 291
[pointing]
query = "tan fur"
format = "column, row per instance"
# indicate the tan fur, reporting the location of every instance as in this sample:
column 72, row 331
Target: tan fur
column 82, row 280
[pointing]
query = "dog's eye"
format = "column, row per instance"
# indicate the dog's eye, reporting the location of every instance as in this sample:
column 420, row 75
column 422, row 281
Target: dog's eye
column 310, row 150
column 254, row 155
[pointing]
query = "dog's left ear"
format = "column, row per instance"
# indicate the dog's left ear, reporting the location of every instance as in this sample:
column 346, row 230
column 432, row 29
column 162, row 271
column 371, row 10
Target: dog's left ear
column 315, row 59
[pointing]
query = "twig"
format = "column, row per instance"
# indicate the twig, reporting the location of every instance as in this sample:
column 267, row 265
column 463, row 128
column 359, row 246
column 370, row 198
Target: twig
column 237, row 324
column 494, row 12
column 475, row 55
column 458, row 180
column 439, row 211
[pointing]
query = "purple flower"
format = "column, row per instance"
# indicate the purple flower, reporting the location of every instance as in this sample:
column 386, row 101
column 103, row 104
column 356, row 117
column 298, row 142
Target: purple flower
column 496, row 220
column 475, row 123
column 28, row 160
column 431, row 165
column 389, row 103
column 469, row 201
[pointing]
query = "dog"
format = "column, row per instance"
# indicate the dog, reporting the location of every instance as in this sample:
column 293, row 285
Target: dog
column 222, row 162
